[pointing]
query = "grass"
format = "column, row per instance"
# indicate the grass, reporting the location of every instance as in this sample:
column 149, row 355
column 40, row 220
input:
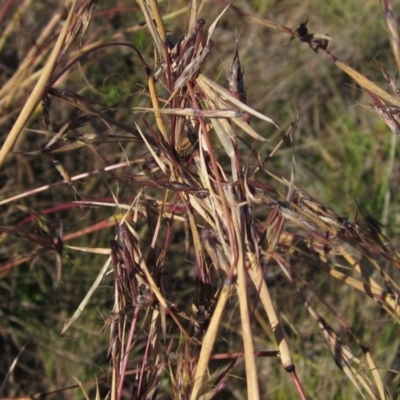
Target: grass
column 155, row 245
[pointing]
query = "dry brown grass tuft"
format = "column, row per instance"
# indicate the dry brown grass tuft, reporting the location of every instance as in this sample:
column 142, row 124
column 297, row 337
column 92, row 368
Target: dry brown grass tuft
column 210, row 245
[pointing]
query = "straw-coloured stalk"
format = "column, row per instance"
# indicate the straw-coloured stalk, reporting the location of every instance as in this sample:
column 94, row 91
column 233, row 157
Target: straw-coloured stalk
column 392, row 28
column 208, row 341
column 64, row 41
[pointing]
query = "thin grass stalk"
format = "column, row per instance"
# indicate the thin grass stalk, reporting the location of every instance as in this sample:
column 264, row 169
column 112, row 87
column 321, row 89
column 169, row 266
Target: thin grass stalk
column 162, row 312
column 377, row 293
column 156, row 320
column 217, row 175
column 125, row 357
column 11, row 369
column 145, row 361
column 359, row 78
column 151, row 24
column 4, row 9
column 372, row 366
column 393, row 32
column 367, row 84
column 374, row 289
column 36, row 95
column 336, row 348
column 158, row 20
column 209, row 340
column 209, row 87
column 269, row 24
column 253, row 392
column 156, row 104
column 13, row 26
column 377, row 376
column 389, row 174
column 266, row 300
column 87, row 297
column 193, row 17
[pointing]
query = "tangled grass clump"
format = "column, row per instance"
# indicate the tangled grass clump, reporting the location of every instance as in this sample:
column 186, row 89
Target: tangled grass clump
column 210, row 245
